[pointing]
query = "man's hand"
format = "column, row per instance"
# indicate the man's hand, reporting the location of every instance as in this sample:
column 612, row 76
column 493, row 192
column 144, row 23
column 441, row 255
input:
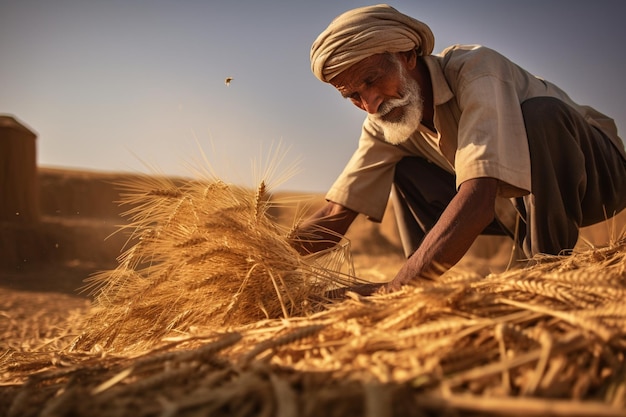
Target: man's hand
column 395, row 284
column 467, row 215
column 364, row 289
column 403, row 277
column 324, row 229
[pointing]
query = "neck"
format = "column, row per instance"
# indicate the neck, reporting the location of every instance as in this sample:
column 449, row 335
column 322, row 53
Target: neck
column 421, row 74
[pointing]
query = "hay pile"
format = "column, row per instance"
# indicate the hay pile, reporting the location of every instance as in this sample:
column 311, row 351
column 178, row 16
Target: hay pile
column 212, row 313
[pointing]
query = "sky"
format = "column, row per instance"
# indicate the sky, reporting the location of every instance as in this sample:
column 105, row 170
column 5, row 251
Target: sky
column 138, row 85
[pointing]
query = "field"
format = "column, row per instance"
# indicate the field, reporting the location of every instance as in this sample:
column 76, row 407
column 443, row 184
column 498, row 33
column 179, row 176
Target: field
column 205, row 313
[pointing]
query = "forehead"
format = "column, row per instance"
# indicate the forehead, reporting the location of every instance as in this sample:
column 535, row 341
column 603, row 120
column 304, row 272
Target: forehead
column 357, row 73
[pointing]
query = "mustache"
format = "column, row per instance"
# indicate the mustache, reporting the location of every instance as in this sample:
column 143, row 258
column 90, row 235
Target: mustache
column 387, row 106
column 407, row 96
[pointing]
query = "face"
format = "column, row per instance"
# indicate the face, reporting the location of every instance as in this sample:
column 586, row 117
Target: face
column 383, row 87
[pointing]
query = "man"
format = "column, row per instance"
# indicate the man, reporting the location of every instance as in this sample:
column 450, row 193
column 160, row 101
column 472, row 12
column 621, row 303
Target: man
column 457, row 138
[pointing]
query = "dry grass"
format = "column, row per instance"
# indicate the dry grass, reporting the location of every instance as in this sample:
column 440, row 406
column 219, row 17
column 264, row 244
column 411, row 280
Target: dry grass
column 211, row 312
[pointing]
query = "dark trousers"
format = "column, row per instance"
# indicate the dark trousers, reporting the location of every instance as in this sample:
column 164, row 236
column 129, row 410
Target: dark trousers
column 578, row 178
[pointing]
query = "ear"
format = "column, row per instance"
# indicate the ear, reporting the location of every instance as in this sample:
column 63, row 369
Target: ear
column 408, row 58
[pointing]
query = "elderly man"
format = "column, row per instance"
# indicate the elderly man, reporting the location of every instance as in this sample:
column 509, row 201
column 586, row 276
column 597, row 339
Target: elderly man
column 457, row 139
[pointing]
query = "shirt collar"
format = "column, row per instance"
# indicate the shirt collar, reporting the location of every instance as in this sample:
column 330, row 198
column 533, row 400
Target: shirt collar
column 441, row 89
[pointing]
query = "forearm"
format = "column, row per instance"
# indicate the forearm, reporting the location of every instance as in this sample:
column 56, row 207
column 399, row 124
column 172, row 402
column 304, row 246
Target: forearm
column 467, row 215
column 442, row 247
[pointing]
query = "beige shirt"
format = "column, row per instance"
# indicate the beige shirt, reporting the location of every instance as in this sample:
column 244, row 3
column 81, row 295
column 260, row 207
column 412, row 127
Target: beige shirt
column 479, row 130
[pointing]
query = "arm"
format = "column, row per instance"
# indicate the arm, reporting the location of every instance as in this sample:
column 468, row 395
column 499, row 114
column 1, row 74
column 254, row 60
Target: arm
column 324, row 229
column 467, row 215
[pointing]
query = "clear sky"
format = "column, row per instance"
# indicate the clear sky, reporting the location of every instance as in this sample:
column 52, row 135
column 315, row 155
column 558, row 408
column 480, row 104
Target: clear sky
column 111, row 85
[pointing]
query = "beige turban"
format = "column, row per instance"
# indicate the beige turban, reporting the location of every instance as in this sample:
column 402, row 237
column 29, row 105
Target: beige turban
column 360, row 33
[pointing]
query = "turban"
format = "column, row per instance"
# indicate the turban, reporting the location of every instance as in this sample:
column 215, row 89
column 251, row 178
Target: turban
column 363, row 32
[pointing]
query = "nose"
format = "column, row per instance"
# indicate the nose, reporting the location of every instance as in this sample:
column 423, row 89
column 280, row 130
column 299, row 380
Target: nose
column 370, row 101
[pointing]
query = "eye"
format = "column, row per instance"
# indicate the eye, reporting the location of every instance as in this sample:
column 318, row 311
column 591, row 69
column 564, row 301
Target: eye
column 355, row 97
column 370, row 81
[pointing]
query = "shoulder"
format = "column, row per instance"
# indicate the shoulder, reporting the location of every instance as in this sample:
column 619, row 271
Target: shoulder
column 471, row 61
column 460, row 53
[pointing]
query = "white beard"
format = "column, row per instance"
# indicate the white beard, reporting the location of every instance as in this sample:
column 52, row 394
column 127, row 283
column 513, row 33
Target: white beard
column 398, row 131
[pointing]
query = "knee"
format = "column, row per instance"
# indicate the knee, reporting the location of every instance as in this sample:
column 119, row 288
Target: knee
column 406, row 167
column 409, row 166
column 411, row 163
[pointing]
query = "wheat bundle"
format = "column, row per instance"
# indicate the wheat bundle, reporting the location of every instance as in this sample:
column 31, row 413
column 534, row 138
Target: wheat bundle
column 206, row 253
